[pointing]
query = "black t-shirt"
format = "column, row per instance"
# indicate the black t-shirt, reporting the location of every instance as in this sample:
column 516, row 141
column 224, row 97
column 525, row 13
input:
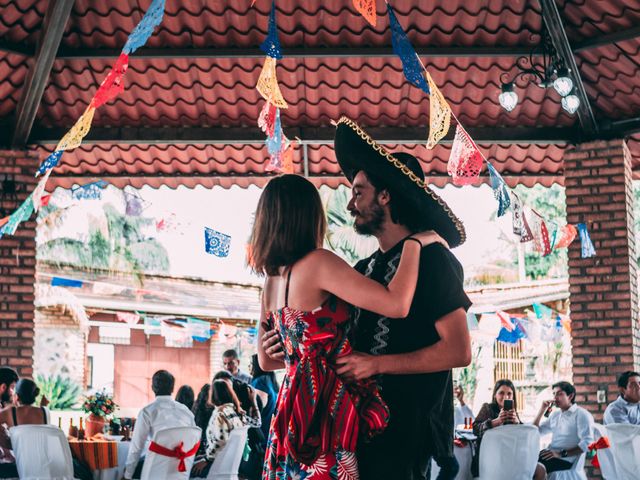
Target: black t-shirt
column 439, row 291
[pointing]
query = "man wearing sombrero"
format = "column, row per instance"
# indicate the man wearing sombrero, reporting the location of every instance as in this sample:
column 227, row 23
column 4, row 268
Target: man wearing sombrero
column 411, row 357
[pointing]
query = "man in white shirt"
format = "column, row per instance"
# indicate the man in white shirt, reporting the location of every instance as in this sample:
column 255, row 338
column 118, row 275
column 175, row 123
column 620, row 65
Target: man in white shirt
column 462, row 410
column 163, row 412
column 571, row 427
column 626, row 408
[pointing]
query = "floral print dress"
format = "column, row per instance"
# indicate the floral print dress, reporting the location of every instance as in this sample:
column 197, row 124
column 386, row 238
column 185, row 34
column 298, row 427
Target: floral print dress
column 318, row 417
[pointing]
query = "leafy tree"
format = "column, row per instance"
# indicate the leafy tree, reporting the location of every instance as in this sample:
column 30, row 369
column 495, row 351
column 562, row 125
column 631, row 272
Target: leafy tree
column 126, row 248
column 341, row 236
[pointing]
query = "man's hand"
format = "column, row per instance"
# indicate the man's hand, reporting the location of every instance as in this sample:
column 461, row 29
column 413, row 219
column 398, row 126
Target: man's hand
column 44, row 401
column 459, row 394
column 357, row 366
column 271, row 345
column 549, row 454
column 199, row 467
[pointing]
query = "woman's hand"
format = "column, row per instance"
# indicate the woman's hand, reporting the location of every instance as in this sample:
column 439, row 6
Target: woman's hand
column 506, row 417
column 503, row 417
column 428, row 237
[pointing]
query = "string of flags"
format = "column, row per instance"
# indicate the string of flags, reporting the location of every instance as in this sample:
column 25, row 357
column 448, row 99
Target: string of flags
column 540, row 325
column 109, row 89
column 466, row 161
column 280, row 148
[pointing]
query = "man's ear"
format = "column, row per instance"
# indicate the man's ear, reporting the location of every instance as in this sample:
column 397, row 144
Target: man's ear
column 384, row 197
column 3, row 388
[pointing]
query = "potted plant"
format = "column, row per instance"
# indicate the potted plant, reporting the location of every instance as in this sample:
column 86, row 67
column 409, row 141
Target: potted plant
column 99, row 406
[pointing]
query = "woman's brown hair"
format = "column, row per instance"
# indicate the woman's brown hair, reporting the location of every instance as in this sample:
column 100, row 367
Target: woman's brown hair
column 289, row 223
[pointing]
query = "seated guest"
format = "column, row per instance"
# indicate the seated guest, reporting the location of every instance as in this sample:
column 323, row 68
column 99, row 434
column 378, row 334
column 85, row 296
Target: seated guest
column 8, row 379
column 265, row 382
column 495, row 414
column 202, row 410
column 626, row 408
column 185, row 396
column 231, row 363
column 571, row 427
column 163, row 412
column 22, row 413
column 224, row 419
column 462, row 410
column 251, row 469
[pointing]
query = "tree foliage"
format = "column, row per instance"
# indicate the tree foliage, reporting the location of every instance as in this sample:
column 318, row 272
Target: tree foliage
column 122, row 245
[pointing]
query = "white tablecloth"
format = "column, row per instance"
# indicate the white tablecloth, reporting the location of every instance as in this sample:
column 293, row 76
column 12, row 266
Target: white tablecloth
column 115, row 473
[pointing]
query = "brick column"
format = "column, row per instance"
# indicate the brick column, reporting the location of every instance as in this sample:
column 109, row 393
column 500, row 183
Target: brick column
column 604, row 297
column 18, row 268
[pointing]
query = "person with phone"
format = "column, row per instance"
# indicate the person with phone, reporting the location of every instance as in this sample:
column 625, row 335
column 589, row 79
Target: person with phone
column 503, row 410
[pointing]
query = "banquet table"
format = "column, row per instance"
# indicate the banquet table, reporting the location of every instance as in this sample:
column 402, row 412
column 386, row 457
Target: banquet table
column 105, row 458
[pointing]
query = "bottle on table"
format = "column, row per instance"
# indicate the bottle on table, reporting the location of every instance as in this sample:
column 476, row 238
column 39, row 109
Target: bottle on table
column 80, row 431
column 60, row 423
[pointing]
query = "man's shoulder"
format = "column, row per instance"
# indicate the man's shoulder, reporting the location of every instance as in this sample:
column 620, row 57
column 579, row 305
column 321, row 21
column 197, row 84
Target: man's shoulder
column 583, row 412
column 436, row 254
column 618, row 403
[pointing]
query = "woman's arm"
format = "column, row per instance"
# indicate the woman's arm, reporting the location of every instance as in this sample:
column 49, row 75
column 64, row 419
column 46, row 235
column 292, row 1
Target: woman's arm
column 334, row 275
column 483, row 420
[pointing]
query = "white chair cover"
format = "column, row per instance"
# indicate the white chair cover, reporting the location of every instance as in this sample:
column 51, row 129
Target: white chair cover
column 464, row 456
column 625, row 443
column 42, row 452
column 227, row 461
column 605, row 456
column 502, row 446
column 160, row 466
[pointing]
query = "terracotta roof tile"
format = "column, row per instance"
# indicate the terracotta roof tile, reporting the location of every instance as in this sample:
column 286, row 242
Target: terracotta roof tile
column 220, row 92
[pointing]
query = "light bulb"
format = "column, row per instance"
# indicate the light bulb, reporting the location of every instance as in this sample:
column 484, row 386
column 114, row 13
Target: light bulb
column 508, row 98
column 563, row 84
column 571, row 103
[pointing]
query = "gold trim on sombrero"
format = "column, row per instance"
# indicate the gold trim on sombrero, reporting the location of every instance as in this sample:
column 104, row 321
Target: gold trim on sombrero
column 406, row 171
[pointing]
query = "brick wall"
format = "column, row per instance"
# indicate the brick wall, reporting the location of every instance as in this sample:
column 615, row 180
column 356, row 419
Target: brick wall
column 604, row 297
column 60, row 345
column 17, row 269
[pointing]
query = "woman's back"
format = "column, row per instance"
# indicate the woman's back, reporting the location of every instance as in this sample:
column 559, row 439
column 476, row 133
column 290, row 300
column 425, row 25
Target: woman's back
column 13, row 416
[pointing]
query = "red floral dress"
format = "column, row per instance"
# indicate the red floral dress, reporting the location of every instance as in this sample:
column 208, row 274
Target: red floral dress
column 318, row 418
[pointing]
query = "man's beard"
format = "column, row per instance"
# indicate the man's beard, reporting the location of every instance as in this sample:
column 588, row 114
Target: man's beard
column 5, row 397
column 373, row 223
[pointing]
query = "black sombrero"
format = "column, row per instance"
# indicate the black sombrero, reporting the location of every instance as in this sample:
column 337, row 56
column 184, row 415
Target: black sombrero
column 356, row 150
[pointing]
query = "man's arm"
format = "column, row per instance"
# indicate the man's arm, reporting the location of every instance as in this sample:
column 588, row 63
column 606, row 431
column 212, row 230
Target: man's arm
column 451, row 351
column 140, row 434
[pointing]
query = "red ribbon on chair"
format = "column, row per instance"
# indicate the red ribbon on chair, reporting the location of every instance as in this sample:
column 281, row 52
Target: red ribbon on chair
column 177, row 452
column 602, row 442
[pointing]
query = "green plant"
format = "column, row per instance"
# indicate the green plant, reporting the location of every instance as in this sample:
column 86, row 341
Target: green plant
column 100, row 404
column 61, row 392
